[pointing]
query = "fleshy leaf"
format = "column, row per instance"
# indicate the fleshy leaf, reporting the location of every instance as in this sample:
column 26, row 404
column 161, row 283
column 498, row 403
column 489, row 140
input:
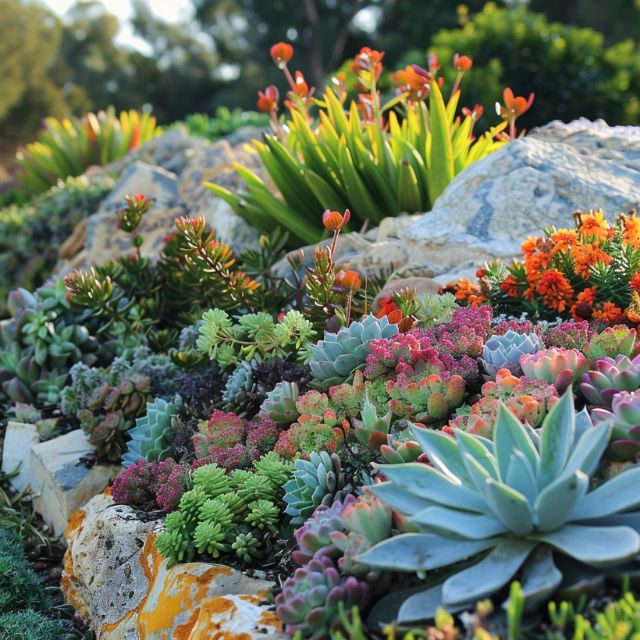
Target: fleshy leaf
column 557, row 437
column 509, row 434
column 555, row 502
column 460, row 523
column 509, row 506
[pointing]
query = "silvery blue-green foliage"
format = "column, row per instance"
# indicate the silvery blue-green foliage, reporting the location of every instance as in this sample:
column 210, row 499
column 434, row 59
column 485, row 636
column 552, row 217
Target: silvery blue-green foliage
column 335, row 359
column 151, row 435
column 253, row 334
column 518, row 503
column 84, row 380
column 503, row 352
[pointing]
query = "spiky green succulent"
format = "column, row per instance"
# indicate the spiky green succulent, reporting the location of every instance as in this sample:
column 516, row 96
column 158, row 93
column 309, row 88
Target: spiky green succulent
column 209, row 537
column 175, row 542
column 212, row 479
column 150, row 437
column 315, row 481
column 280, row 404
column 263, row 514
column 246, row 546
column 335, row 359
column 517, row 504
column 274, row 468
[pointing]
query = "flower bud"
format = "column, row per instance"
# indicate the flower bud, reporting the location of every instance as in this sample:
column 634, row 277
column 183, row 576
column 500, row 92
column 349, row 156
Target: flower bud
column 281, row 53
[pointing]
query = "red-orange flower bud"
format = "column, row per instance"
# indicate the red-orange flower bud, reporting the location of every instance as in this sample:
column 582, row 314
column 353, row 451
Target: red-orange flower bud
column 514, row 106
column 268, row 101
column 301, row 88
column 462, row 63
column 281, row 53
column 334, row 220
column 349, row 280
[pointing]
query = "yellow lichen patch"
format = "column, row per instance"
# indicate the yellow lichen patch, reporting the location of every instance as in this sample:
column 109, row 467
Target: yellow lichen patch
column 172, row 593
column 75, row 522
column 215, row 614
column 70, row 592
column 253, row 599
column 270, row 619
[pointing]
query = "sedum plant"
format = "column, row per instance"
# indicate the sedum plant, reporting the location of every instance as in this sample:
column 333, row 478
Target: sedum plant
column 376, row 160
column 518, row 503
column 67, row 147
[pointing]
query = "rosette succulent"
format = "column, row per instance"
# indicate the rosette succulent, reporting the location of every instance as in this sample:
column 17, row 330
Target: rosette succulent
column 335, row 359
column 150, row 437
column 608, row 377
column 315, row 481
column 505, row 351
column 559, row 367
column 517, row 504
column 308, row 603
column 280, row 404
column 625, row 418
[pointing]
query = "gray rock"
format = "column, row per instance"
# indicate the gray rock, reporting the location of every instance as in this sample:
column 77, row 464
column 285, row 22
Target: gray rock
column 61, row 481
column 491, row 207
column 19, row 438
column 118, row 582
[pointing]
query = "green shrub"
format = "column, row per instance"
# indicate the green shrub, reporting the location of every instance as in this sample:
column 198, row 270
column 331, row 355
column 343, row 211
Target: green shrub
column 67, row 147
column 20, row 587
column 31, row 234
column 223, row 123
column 571, row 70
column 29, row 625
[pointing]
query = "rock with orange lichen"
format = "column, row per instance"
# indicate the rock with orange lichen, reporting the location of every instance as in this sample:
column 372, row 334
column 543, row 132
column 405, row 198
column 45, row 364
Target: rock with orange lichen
column 117, row 580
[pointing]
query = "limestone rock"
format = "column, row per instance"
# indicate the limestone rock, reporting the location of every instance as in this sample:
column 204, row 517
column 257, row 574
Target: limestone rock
column 62, row 482
column 16, row 453
column 491, row 207
column 116, row 579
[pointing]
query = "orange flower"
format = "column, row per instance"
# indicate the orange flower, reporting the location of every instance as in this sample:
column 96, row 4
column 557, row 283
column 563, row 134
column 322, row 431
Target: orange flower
column 633, row 310
column 631, row 229
column 564, row 239
column 300, row 88
column 349, row 280
column 413, row 80
column 529, row 246
column 514, row 106
column 469, row 293
column 586, row 256
column 281, row 53
column 334, row 220
column 634, row 283
column 610, row 313
column 593, row 225
column 583, row 308
column 555, row 290
column 474, row 113
column 510, row 286
column 462, row 63
column 268, row 101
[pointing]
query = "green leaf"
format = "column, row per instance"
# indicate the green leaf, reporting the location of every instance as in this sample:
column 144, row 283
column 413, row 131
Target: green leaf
column 324, row 192
column 556, row 440
column 446, row 522
column 596, row 546
column 422, row 552
column 540, row 578
column 510, row 435
column 510, row 506
column 616, row 495
column 489, row 575
column 409, row 196
column 556, row 501
column 439, row 150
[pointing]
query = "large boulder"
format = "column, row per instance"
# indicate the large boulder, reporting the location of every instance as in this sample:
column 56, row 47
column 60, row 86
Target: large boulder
column 118, row 582
column 529, row 184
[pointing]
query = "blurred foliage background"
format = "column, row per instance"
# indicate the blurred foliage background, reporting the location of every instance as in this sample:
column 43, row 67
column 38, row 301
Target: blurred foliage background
column 581, row 57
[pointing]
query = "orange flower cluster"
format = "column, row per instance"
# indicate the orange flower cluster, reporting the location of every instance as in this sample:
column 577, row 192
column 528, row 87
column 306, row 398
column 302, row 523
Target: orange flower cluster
column 468, row 294
column 591, row 272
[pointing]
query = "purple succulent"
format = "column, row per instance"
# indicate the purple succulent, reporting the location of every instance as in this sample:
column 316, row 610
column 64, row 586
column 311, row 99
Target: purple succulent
column 309, row 599
column 608, row 378
column 313, row 536
column 625, row 417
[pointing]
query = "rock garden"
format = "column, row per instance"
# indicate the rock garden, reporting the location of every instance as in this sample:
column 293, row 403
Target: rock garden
column 366, row 367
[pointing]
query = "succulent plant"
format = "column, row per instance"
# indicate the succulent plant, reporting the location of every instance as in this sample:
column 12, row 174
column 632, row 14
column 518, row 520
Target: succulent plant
column 212, row 479
column 276, row 469
column 209, row 537
column 625, row 418
column 138, row 485
column 308, row 603
column 313, row 536
column 504, row 352
column 372, row 430
column 280, row 404
column 240, row 387
column 263, row 514
column 529, row 400
column 427, row 399
column 513, row 504
column 335, row 359
column 149, row 438
column 246, row 546
column 175, row 541
column 559, row 367
column 608, row 377
column 315, row 481
column 612, row 342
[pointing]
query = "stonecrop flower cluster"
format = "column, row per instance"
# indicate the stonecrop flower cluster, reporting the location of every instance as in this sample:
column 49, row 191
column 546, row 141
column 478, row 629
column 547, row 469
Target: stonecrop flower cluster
column 591, row 273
